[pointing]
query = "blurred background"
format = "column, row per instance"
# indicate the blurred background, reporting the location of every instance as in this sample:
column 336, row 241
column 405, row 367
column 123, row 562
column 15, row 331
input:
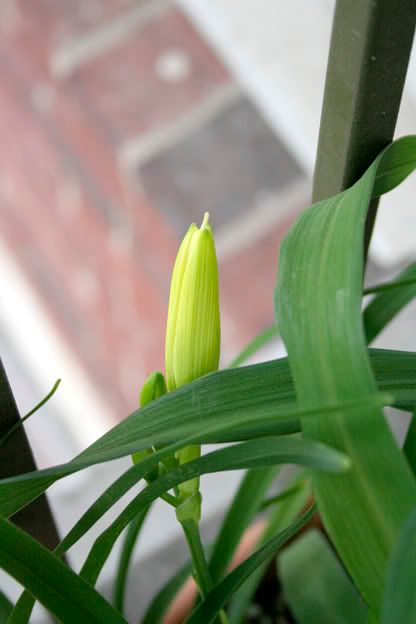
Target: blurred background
column 122, row 121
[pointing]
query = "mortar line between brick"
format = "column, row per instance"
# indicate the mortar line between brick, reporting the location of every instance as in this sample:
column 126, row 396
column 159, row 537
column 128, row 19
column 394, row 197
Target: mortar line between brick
column 73, row 55
column 137, row 151
column 260, row 218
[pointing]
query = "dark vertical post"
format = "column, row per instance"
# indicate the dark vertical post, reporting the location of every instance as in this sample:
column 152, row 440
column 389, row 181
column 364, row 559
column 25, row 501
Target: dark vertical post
column 15, row 458
column 369, row 53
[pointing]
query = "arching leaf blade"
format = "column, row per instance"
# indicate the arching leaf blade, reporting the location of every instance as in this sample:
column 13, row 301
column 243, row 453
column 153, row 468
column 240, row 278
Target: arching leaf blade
column 262, row 402
column 57, row 587
column 223, row 592
column 318, row 301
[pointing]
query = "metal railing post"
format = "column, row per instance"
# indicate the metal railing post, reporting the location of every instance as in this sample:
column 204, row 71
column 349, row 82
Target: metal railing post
column 16, row 458
column 369, row 53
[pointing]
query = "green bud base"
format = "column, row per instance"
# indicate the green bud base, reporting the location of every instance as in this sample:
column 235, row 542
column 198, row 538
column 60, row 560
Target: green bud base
column 189, row 510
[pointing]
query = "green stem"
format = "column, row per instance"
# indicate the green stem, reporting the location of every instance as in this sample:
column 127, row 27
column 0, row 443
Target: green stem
column 200, row 564
column 202, row 575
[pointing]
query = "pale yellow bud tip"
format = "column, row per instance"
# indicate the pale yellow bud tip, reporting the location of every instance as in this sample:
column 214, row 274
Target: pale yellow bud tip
column 205, row 221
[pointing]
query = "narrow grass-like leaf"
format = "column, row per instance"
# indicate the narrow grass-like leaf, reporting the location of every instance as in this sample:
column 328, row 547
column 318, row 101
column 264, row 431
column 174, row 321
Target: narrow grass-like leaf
column 5, row 608
column 385, row 305
column 37, row 407
column 223, row 592
column 254, row 453
column 409, row 446
column 169, row 591
column 282, row 496
column 59, row 589
column 22, row 610
column 115, row 491
column 279, row 519
column 166, row 594
column 254, row 345
column 225, row 399
column 399, row 603
column 316, row 585
column 245, row 504
column 400, row 282
column 132, row 534
column 230, row 405
column 318, row 303
column 16, row 458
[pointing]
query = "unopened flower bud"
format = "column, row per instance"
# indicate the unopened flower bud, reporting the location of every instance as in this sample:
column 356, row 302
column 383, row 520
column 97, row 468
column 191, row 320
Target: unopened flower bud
column 193, row 333
column 153, row 388
column 193, row 327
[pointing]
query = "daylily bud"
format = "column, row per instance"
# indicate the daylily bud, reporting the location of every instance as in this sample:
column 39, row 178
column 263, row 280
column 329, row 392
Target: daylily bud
column 193, row 327
column 153, row 388
column 193, row 334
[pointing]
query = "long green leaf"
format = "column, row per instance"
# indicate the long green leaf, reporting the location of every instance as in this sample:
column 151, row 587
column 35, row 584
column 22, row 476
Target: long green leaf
column 164, row 597
column 166, row 594
column 385, row 305
column 254, row 345
column 59, row 589
column 217, row 402
column 24, row 418
column 280, row 518
column 104, row 544
column 115, row 491
column 109, row 497
column 16, row 458
column 392, row 285
column 318, row 301
column 227, row 406
column 246, row 503
column 223, row 592
column 5, row 608
column 132, row 534
column 409, row 446
column 399, row 603
column 22, row 610
column 316, row 585
column 254, row 453
column 288, row 492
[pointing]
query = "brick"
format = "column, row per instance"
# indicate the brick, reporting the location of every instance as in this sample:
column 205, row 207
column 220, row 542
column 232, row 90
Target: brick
column 122, row 201
column 61, row 22
column 118, row 198
column 123, row 91
column 73, row 122
column 224, row 167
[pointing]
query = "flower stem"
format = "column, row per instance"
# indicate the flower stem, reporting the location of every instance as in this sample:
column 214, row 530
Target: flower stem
column 200, row 565
column 202, row 576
